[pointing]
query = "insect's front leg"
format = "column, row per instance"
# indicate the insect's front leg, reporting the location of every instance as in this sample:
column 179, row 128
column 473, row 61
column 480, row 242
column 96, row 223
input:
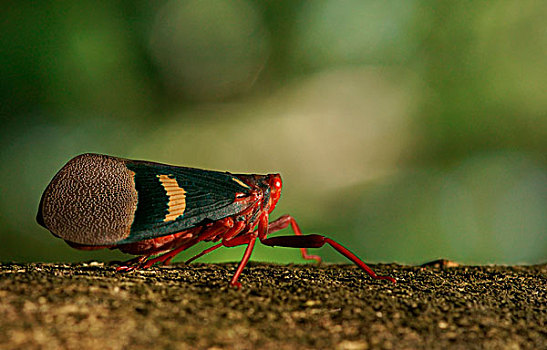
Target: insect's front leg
column 313, row 241
column 248, row 238
column 261, row 232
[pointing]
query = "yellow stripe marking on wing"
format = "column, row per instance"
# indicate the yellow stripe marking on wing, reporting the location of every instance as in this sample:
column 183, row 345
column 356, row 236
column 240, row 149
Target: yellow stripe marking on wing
column 177, row 197
column 240, row 182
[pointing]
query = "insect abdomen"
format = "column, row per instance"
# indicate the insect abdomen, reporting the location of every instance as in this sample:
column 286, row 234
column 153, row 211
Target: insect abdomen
column 92, row 200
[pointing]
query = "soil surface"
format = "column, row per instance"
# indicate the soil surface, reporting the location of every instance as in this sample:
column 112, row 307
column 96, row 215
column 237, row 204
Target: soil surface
column 438, row 306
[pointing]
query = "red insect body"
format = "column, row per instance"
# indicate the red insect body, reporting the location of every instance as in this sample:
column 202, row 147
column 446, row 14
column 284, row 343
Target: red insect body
column 240, row 229
column 144, row 208
column 236, row 230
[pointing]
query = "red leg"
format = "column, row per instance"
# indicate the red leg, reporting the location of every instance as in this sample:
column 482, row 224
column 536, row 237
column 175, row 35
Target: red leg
column 248, row 239
column 166, row 257
column 212, row 232
column 132, row 264
column 206, row 251
column 316, row 241
column 219, row 228
column 241, row 240
column 284, row 222
column 250, row 245
column 234, row 231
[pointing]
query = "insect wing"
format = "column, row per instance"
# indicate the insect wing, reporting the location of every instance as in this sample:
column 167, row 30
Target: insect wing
column 173, row 199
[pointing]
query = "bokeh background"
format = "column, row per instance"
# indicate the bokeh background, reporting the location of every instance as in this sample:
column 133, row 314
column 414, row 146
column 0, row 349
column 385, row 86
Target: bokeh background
column 408, row 130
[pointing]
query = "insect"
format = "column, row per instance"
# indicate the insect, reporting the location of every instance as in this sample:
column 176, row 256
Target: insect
column 156, row 211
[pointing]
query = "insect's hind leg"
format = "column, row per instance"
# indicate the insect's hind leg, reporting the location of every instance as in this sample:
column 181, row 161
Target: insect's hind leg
column 316, row 241
column 206, row 251
column 284, row 222
column 132, row 264
column 234, row 231
column 144, row 261
column 219, row 228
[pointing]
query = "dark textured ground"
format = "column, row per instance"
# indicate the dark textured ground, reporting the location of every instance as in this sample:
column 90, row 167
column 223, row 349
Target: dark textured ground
column 90, row 306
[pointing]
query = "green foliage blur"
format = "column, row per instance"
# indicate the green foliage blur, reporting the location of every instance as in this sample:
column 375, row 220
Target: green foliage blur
column 407, row 130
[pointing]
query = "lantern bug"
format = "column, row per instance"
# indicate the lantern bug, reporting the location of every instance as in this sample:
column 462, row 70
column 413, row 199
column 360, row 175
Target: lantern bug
column 147, row 209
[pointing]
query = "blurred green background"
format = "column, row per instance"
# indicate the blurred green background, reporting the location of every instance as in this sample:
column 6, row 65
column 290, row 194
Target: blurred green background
column 407, row 130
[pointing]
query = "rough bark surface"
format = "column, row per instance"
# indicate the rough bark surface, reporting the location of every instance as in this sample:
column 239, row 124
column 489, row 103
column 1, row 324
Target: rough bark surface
column 91, row 306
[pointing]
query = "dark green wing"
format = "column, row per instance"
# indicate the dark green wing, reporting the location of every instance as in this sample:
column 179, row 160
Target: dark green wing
column 173, row 199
